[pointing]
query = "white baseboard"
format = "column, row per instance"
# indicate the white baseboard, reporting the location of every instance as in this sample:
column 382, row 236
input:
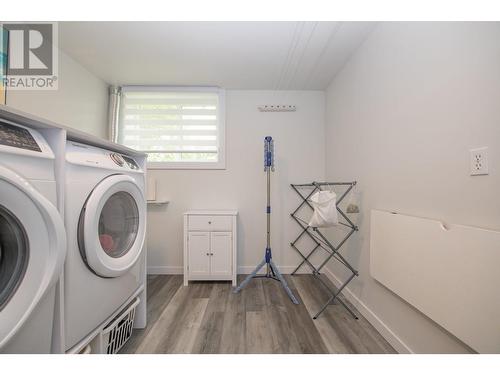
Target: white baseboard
column 165, row 270
column 178, row 270
column 374, row 320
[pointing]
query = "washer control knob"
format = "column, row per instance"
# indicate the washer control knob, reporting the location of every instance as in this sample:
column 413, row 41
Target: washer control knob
column 117, row 158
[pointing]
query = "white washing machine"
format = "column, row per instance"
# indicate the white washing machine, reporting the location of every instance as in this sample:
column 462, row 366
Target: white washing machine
column 105, row 217
column 32, row 240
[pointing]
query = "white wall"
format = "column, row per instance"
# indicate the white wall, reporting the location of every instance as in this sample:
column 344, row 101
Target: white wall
column 401, row 118
column 81, row 100
column 299, row 143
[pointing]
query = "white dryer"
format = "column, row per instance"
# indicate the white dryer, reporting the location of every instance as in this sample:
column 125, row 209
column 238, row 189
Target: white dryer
column 32, row 240
column 105, row 217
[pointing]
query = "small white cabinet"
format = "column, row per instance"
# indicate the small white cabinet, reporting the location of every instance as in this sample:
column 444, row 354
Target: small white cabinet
column 210, row 244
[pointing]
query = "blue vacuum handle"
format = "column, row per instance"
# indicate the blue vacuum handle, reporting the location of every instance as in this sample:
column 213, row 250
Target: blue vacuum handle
column 268, row 153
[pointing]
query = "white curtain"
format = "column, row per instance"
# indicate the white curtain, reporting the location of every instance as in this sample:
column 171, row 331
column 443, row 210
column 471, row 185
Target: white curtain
column 115, row 93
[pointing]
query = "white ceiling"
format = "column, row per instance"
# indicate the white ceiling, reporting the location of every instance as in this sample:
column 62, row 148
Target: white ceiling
column 233, row 55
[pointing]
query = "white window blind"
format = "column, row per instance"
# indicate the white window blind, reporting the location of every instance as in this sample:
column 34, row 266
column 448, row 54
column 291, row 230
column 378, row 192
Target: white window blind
column 176, row 128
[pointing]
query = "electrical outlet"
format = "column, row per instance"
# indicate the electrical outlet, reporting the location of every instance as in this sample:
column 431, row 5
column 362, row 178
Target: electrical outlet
column 479, row 161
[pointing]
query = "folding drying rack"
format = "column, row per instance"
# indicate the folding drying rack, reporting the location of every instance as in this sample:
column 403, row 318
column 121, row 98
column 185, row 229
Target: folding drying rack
column 305, row 191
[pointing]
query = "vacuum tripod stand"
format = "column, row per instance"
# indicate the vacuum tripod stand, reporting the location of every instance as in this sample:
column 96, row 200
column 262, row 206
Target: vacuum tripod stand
column 272, row 271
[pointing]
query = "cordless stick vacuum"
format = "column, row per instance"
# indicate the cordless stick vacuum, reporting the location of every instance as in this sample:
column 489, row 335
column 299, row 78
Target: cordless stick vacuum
column 272, row 271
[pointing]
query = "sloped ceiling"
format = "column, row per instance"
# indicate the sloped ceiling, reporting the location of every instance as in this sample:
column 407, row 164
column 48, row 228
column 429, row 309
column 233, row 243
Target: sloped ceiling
column 233, row 55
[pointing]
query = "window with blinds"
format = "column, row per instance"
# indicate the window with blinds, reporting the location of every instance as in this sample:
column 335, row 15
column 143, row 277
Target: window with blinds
column 176, row 128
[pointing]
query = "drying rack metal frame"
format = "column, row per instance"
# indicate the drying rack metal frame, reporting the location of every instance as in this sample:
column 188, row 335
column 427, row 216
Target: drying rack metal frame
column 321, row 242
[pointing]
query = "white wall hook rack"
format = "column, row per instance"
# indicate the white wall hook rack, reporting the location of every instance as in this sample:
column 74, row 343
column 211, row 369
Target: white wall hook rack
column 277, row 108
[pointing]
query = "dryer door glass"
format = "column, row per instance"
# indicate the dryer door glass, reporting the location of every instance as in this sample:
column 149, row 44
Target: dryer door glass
column 14, row 254
column 112, row 240
column 118, row 224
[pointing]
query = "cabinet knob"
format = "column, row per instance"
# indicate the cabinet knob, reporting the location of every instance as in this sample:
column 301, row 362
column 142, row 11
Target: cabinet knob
column 208, row 253
column 209, row 222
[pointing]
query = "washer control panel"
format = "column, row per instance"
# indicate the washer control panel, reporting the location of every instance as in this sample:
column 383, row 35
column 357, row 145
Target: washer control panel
column 82, row 154
column 18, row 137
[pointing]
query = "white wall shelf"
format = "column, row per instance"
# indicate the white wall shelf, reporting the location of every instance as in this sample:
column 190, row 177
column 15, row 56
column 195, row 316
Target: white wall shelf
column 157, row 203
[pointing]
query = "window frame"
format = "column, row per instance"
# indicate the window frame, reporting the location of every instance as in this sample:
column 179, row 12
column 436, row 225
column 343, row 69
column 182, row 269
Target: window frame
column 220, row 164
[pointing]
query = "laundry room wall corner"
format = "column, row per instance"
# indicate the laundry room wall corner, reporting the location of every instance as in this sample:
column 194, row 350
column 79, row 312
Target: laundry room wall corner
column 401, row 118
column 80, row 102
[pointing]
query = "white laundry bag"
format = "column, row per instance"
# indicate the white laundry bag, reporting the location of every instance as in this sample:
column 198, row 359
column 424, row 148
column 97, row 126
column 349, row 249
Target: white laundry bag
column 325, row 209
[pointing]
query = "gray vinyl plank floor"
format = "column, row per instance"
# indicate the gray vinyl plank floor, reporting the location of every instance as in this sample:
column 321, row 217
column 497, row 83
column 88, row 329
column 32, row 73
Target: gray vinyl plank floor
column 207, row 317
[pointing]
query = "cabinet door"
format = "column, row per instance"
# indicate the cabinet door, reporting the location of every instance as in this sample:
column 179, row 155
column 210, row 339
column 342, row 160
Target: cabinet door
column 221, row 250
column 198, row 253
